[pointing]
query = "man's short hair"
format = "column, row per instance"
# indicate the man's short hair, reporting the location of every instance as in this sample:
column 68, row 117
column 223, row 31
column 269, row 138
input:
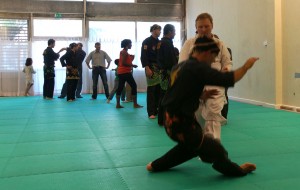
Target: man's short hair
column 50, row 42
column 169, row 28
column 155, row 27
column 204, row 16
column 72, row 45
column 97, row 44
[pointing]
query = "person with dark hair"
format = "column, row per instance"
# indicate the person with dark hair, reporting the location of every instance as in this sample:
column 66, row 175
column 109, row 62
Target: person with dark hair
column 209, row 112
column 80, row 55
column 72, row 74
column 125, row 74
column 28, row 70
column 149, row 62
column 166, row 58
column 116, row 85
column 64, row 91
column 99, row 67
column 180, row 103
column 49, row 74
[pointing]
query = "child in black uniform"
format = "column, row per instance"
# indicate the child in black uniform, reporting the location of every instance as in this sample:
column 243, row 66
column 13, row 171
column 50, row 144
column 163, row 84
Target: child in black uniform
column 182, row 100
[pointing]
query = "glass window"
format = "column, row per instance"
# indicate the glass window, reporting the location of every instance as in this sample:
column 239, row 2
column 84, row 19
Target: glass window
column 57, row 28
column 63, row 32
column 14, row 44
column 110, row 34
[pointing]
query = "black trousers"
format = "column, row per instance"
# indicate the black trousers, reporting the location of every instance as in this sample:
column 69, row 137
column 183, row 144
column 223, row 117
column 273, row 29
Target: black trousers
column 224, row 111
column 79, row 84
column 187, row 133
column 95, row 75
column 160, row 115
column 126, row 77
column 71, row 88
column 153, row 95
column 174, row 157
column 48, row 88
column 63, row 92
column 191, row 143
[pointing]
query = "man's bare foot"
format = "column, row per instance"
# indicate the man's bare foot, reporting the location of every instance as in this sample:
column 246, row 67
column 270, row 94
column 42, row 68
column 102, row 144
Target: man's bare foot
column 137, row 106
column 149, row 167
column 119, row 106
column 248, row 167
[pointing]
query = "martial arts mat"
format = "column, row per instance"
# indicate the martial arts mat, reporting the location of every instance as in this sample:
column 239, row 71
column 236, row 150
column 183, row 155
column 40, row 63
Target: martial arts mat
column 85, row 144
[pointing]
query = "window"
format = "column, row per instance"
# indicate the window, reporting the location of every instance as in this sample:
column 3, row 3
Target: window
column 57, row 28
column 110, row 34
column 63, row 32
column 14, row 44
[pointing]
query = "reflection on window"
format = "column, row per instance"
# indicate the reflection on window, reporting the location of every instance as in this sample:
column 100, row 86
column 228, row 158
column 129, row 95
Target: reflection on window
column 57, row 28
column 110, row 34
column 14, row 44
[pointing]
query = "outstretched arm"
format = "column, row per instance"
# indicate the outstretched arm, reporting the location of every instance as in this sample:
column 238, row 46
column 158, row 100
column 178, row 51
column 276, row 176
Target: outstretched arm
column 240, row 72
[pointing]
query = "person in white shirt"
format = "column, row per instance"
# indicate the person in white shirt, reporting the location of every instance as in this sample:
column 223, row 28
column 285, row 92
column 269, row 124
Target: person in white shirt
column 29, row 71
column 99, row 67
column 209, row 112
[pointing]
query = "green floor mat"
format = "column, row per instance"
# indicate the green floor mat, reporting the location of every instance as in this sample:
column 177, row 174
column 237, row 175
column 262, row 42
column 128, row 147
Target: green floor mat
column 85, row 144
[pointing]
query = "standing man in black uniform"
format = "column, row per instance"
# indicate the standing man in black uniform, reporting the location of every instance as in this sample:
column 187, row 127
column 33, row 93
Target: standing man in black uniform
column 149, row 62
column 49, row 74
column 72, row 75
column 80, row 55
column 166, row 58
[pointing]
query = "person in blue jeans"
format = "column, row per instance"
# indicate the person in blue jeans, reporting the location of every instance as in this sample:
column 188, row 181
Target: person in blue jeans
column 116, row 85
column 99, row 67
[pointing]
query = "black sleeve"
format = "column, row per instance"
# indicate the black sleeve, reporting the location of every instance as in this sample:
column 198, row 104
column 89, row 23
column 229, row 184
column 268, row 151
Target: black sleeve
column 144, row 54
column 54, row 55
column 62, row 60
column 166, row 56
column 209, row 76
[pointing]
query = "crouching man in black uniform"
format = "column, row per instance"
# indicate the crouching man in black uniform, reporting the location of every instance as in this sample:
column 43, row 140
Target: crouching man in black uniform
column 180, row 103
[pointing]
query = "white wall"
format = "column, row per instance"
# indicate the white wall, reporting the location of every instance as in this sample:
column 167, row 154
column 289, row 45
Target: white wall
column 244, row 25
column 291, row 53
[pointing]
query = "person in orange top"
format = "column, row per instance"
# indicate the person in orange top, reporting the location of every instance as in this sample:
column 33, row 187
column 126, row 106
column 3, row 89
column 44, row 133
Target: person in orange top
column 125, row 74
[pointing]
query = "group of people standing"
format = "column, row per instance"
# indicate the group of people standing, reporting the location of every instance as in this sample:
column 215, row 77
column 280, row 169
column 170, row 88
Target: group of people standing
column 72, row 60
column 158, row 57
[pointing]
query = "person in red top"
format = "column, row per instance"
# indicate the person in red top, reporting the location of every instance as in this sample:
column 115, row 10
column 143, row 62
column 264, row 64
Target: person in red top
column 125, row 74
